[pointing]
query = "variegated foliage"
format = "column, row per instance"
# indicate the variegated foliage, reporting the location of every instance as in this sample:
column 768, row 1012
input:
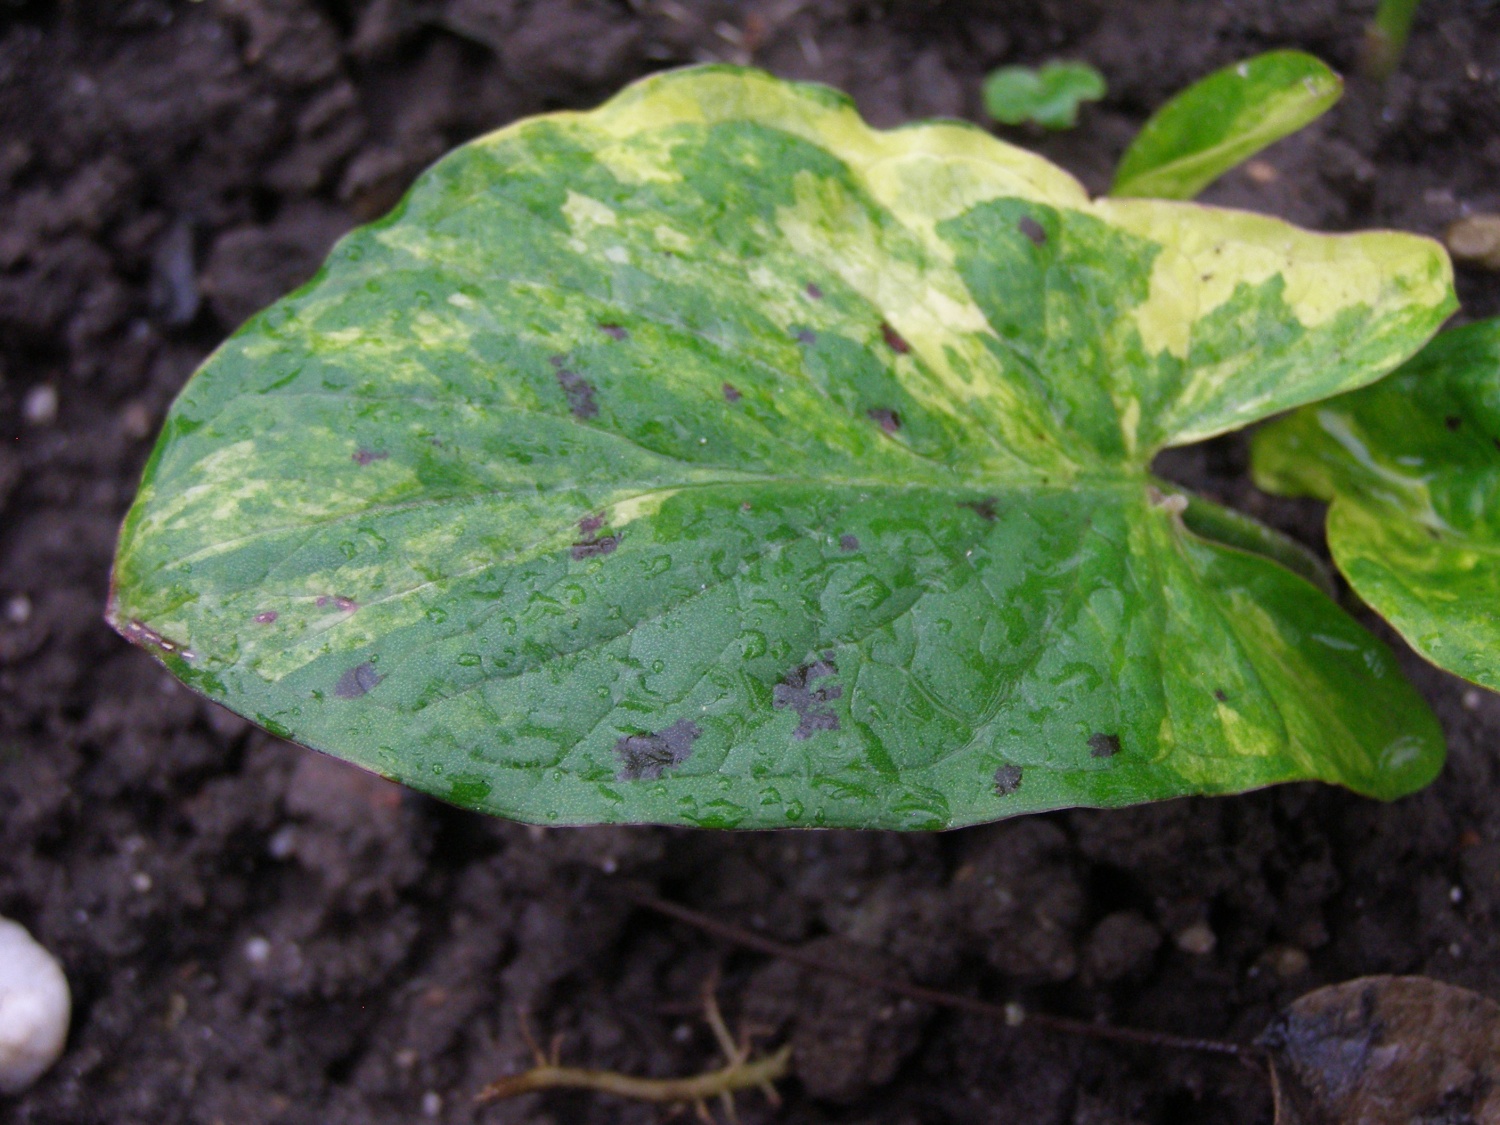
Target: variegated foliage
column 1412, row 466
column 712, row 458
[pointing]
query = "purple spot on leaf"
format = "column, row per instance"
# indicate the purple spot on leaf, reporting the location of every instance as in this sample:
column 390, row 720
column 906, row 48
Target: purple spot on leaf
column 1104, row 745
column 807, row 336
column 579, row 390
column 1220, row 696
column 357, row 681
column 985, row 509
column 1033, row 230
column 893, row 339
column 814, row 292
column 644, row 756
column 590, row 524
column 365, row 456
column 731, row 393
column 849, row 542
column 1007, row 780
column 614, row 331
column 796, row 692
column 266, row 618
column 589, row 548
column 1453, row 422
column 889, row 420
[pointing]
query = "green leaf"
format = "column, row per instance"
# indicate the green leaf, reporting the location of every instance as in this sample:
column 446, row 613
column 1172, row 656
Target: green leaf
column 1222, row 121
column 1412, row 467
column 712, row 458
column 1050, row 96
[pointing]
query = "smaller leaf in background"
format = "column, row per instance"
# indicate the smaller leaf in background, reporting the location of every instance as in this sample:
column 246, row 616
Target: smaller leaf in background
column 1049, row 96
column 1385, row 37
column 1222, row 121
column 1386, row 1051
column 1412, row 466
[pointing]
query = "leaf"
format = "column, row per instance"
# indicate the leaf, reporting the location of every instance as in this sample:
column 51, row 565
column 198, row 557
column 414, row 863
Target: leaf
column 711, row 458
column 1412, row 467
column 1222, row 121
column 1049, row 96
column 1386, row 1051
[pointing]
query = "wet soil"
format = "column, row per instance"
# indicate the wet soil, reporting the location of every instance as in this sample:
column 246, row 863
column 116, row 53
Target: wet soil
column 256, row 933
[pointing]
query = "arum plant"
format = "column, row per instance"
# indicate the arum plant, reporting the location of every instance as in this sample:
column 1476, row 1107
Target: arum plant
column 1049, row 96
column 712, row 458
column 1412, row 467
column 1223, row 120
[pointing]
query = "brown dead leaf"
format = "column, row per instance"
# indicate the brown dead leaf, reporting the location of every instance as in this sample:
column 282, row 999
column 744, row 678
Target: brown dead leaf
column 1387, row 1051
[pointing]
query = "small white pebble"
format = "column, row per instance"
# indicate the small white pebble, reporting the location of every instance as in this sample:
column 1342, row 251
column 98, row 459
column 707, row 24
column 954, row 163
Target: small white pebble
column 1015, row 1014
column 1262, row 172
column 432, row 1104
column 39, row 408
column 1197, row 939
column 682, row 1033
column 1455, row 895
column 141, row 882
column 257, row 951
column 35, row 1007
column 1471, row 699
column 609, row 865
column 18, row 609
column 283, row 842
column 1456, row 950
column 135, row 420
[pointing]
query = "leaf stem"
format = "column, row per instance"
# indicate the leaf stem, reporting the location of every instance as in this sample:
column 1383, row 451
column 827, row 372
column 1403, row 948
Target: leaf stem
column 1385, row 37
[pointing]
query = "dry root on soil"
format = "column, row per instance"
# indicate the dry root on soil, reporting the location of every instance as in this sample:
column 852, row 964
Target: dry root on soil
column 740, row 1072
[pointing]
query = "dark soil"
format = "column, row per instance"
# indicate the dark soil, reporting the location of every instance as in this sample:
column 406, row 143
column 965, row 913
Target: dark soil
column 257, row 933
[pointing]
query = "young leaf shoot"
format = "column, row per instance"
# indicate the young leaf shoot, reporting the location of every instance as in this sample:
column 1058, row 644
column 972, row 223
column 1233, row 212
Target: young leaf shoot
column 712, row 458
column 1412, row 467
column 1049, row 96
column 1385, row 37
column 1222, row 121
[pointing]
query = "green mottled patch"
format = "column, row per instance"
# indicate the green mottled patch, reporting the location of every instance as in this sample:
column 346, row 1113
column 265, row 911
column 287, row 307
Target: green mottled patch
column 1224, row 120
column 714, row 459
column 1412, row 466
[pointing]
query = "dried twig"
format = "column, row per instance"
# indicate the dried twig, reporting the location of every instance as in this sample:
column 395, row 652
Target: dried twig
column 1011, row 1014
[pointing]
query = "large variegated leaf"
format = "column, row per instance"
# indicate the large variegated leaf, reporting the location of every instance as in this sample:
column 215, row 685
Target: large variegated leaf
column 1412, row 466
column 712, row 458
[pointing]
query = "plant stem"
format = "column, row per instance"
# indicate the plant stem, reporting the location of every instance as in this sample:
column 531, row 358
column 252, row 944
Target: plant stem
column 1010, row 1014
column 1385, row 38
